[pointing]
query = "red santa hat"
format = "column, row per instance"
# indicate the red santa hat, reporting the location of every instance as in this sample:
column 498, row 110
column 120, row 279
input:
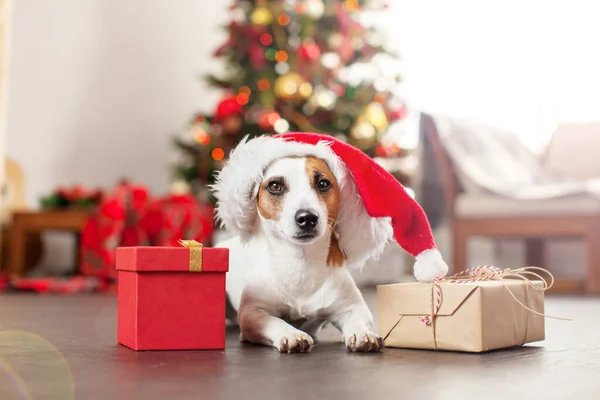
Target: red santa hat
column 374, row 207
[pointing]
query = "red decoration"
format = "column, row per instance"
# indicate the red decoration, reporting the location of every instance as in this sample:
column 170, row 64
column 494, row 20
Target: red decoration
column 227, row 107
column 398, row 114
column 387, row 151
column 162, row 305
column 340, row 90
column 175, row 217
column 75, row 284
column 257, row 56
column 346, row 49
column 242, row 98
column 266, row 39
column 267, row 120
column 309, row 51
column 73, row 194
column 114, row 223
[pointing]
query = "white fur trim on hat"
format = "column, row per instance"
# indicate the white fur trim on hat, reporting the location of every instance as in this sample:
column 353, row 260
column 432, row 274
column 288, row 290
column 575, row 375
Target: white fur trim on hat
column 429, row 265
column 360, row 236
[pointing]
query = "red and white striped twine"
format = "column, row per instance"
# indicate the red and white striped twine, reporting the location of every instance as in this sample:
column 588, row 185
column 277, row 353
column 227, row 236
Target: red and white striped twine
column 488, row 273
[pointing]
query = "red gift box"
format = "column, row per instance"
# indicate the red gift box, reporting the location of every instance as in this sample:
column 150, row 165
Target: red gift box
column 171, row 298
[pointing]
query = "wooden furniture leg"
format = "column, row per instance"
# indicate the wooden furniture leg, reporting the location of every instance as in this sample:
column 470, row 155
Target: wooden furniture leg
column 459, row 250
column 77, row 252
column 17, row 240
column 535, row 252
column 592, row 283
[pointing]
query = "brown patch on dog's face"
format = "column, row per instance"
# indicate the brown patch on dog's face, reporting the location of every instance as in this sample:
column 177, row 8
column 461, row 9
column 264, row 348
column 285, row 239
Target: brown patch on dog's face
column 270, row 197
column 318, row 173
column 336, row 256
column 324, row 183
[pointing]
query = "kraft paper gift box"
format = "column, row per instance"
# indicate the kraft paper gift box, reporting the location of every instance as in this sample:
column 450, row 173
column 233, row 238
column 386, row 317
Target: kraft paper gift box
column 171, row 298
column 473, row 317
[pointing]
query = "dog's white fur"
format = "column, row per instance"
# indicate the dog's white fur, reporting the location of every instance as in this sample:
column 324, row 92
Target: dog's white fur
column 283, row 290
column 273, row 278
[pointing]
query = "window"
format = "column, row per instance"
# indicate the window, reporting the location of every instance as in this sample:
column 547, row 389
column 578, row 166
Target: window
column 518, row 65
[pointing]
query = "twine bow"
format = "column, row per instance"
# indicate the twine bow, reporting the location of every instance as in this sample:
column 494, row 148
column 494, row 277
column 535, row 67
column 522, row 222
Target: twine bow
column 490, row 273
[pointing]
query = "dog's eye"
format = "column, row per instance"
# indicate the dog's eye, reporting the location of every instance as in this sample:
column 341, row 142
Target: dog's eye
column 323, row 185
column 275, row 187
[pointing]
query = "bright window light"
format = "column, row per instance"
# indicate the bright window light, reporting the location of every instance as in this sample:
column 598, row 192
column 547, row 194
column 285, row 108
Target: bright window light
column 520, row 65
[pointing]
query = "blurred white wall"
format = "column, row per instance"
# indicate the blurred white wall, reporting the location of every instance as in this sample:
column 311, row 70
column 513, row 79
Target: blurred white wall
column 5, row 12
column 97, row 86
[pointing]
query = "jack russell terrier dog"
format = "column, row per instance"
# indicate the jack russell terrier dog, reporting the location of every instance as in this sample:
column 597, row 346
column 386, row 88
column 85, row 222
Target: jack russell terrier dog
column 300, row 226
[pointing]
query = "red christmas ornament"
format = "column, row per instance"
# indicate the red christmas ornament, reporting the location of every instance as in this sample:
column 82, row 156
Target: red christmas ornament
column 340, row 90
column 309, row 51
column 266, row 39
column 227, row 107
column 388, row 151
column 398, row 114
column 267, row 120
column 257, row 56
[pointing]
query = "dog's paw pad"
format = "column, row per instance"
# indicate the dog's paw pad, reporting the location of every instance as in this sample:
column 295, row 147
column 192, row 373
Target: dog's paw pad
column 296, row 343
column 365, row 341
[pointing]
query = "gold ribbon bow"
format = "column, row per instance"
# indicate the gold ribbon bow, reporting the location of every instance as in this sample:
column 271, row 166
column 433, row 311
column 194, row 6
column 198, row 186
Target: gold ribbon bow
column 195, row 254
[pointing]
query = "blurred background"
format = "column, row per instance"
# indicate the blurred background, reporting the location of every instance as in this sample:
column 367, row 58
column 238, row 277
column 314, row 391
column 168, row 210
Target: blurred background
column 114, row 116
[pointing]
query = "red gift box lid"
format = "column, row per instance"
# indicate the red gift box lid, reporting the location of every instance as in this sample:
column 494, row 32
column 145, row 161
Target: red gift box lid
column 166, row 259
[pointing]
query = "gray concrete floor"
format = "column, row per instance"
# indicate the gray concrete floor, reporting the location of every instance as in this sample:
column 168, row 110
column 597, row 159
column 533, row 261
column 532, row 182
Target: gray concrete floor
column 52, row 346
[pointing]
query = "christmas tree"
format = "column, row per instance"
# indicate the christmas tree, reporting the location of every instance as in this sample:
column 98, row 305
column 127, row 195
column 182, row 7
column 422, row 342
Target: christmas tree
column 293, row 66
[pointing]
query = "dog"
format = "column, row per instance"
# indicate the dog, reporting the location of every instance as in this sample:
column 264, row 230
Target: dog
column 301, row 226
column 289, row 279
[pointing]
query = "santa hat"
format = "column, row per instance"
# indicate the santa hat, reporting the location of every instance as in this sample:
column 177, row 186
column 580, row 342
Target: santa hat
column 374, row 207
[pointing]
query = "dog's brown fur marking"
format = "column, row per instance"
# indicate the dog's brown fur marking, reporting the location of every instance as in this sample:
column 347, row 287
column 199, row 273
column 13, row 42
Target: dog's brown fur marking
column 251, row 321
column 315, row 170
column 336, row 257
column 268, row 204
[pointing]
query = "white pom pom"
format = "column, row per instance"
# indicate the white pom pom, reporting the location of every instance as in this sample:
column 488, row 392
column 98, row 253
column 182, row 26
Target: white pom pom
column 429, row 265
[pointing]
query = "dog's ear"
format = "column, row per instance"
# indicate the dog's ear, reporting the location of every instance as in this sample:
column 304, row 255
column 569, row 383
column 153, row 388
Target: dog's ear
column 236, row 189
column 236, row 204
column 360, row 236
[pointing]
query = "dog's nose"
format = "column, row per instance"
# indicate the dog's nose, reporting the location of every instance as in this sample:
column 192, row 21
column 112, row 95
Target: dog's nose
column 306, row 219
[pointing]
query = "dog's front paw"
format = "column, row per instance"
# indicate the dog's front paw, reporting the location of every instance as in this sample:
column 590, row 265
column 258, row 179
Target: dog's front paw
column 363, row 341
column 295, row 342
column 430, row 265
